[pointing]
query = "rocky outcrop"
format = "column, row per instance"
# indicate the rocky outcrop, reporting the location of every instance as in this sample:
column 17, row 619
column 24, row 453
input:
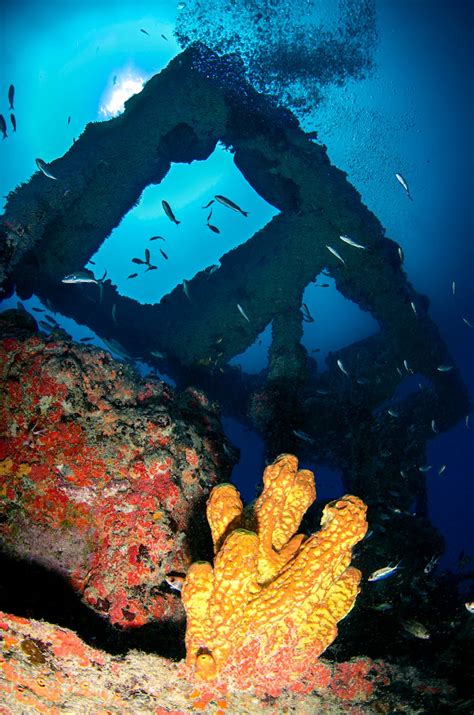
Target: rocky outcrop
column 101, row 472
column 47, row 669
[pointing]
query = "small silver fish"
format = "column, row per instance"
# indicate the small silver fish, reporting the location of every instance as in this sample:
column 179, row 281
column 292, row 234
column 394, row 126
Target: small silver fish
column 212, row 269
column 442, row 469
column 405, row 365
column 433, row 426
column 3, row 126
column 444, row 368
column 157, row 354
column 303, row 436
column 242, row 311
column 425, row 468
column 42, row 167
column 393, row 413
column 342, row 368
column 413, row 307
column 399, row 371
column 382, row 573
column 400, row 253
column 230, row 204
column 115, row 347
column 431, row 564
column 402, row 181
column 11, row 97
column 186, row 289
column 350, row 242
column 335, row 253
column 169, row 212
column 465, row 320
column 453, row 287
column 176, row 581
column 382, row 607
column 80, row 277
column 307, row 317
column 418, row 630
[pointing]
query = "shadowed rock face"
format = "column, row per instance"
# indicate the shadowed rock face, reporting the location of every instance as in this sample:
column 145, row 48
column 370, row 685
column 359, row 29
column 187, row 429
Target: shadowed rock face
column 102, row 472
column 51, row 227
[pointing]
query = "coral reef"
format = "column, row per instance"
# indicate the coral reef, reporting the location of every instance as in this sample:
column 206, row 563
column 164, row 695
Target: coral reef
column 270, row 605
column 51, row 228
column 47, row 669
column 100, row 472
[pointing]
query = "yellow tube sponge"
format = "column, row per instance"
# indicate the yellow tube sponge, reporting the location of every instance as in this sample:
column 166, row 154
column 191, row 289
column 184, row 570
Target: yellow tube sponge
column 273, row 599
column 198, row 586
column 224, row 511
column 287, row 494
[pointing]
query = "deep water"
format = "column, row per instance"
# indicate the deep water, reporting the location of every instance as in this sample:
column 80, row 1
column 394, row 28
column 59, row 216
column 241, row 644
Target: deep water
column 389, row 88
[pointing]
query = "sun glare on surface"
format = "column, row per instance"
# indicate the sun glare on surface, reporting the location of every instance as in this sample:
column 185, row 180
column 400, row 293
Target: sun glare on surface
column 123, row 88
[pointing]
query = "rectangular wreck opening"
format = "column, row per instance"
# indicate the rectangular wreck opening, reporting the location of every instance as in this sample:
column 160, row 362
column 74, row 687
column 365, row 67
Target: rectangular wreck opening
column 338, row 322
column 203, row 231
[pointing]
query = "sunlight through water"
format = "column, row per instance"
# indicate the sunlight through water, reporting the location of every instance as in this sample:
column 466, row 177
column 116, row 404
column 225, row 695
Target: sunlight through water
column 122, row 89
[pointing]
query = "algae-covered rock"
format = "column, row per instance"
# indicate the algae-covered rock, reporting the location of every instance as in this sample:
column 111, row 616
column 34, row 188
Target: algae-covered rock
column 101, row 471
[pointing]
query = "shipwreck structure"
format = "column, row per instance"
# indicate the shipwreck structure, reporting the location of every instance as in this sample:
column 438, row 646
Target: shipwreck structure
column 49, row 228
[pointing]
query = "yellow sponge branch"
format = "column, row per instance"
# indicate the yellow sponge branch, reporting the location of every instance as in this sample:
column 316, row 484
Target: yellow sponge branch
column 224, row 512
column 273, row 596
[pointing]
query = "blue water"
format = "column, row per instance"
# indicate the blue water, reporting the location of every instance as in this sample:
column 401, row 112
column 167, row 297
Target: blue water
column 412, row 113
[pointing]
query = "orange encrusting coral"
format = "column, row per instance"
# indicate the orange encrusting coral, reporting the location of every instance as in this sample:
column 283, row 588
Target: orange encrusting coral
column 99, row 471
column 271, row 591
